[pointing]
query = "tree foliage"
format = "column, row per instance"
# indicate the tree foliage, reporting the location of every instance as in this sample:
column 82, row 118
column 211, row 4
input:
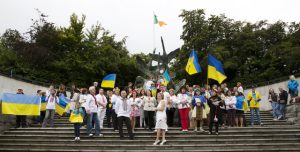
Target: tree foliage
column 250, row 52
column 66, row 54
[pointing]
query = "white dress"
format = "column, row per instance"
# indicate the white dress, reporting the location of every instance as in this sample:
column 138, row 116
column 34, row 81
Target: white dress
column 161, row 118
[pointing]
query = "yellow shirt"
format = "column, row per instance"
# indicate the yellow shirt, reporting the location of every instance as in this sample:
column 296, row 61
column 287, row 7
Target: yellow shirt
column 253, row 97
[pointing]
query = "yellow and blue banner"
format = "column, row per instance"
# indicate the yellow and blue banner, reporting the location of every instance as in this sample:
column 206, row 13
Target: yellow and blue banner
column 20, row 104
column 215, row 69
column 193, row 65
column 43, row 103
column 63, row 105
column 109, row 81
column 166, row 77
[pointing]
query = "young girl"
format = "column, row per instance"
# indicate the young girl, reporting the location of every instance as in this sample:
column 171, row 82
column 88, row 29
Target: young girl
column 76, row 118
column 198, row 102
column 135, row 106
column 161, row 120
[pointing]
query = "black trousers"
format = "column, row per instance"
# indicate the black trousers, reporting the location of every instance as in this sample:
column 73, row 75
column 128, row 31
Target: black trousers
column 77, row 129
column 122, row 119
column 85, row 117
column 149, row 119
column 170, row 116
column 114, row 120
column 20, row 121
column 108, row 117
column 211, row 121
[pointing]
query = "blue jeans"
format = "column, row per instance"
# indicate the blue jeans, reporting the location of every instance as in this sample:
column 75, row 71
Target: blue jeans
column 90, row 118
column 275, row 107
column 257, row 115
column 281, row 110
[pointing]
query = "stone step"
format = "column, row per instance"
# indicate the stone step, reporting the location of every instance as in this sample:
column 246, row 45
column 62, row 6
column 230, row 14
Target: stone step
column 20, row 149
column 284, row 127
column 168, row 146
column 152, row 136
column 149, row 141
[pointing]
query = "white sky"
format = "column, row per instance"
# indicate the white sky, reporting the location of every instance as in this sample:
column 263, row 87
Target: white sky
column 134, row 18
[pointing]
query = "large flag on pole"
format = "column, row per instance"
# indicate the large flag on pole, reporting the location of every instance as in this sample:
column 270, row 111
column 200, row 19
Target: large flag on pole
column 20, row 104
column 166, row 77
column 160, row 23
column 109, row 81
column 215, row 69
column 193, row 65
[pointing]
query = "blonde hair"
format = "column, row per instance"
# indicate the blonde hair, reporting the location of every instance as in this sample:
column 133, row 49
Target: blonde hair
column 292, row 77
column 92, row 88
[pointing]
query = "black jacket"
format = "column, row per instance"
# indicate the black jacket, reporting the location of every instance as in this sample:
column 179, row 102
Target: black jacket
column 283, row 96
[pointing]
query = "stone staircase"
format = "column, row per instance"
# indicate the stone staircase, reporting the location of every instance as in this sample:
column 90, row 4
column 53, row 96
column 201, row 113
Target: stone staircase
column 273, row 136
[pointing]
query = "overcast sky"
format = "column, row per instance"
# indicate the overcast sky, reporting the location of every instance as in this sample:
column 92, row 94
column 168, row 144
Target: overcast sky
column 134, row 18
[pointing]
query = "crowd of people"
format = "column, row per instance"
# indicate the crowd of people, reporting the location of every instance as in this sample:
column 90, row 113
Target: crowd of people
column 157, row 107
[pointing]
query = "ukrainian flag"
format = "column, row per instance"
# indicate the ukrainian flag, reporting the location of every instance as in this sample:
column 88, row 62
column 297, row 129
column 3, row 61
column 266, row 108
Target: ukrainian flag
column 193, row 65
column 43, row 103
column 20, row 104
column 109, row 81
column 215, row 69
column 166, row 77
column 63, row 105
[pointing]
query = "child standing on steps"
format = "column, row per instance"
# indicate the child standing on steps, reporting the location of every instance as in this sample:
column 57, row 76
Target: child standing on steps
column 76, row 118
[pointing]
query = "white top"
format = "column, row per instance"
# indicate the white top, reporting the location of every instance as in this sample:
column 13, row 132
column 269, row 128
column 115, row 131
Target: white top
column 114, row 100
column 149, row 103
column 166, row 97
column 173, row 101
column 102, row 101
column 82, row 100
column 91, row 104
column 183, row 101
column 119, row 108
column 136, row 102
column 240, row 89
column 51, row 101
column 230, row 102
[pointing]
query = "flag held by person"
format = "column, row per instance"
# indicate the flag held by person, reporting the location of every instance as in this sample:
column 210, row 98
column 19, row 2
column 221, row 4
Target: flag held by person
column 215, row 69
column 193, row 65
column 63, row 105
column 166, row 77
column 109, row 81
column 20, row 104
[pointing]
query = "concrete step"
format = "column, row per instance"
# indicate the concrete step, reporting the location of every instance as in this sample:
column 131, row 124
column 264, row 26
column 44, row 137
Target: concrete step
column 173, row 141
column 152, row 136
column 20, row 149
column 149, row 146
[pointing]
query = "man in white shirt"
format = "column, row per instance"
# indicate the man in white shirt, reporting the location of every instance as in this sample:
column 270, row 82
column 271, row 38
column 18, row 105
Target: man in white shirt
column 91, row 110
column 102, row 101
column 52, row 99
column 123, row 109
column 114, row 100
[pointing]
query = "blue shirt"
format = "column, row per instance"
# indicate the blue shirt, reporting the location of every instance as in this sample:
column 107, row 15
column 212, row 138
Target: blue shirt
column 239, row 102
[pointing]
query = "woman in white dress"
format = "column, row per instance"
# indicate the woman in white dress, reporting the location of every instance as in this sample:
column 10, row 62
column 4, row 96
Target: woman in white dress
column 161, row 120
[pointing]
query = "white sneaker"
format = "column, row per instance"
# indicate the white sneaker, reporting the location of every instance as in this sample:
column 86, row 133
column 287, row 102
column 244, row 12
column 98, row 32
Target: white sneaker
column 163, row 142
column 275, row 119
column 195, row 130
column 166, row 130
column 156, row 142
column 155, row 130
column 91, row 135
column 201, row 129
column 75, row 139
column 78, row 138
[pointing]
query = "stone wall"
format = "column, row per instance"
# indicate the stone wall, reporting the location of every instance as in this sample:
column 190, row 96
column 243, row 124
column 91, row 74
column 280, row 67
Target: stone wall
column 292, row 113
column 264, row 91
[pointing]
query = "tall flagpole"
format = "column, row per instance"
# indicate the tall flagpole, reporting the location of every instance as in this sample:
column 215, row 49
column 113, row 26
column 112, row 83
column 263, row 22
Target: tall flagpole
column 207, row 69
column 153, row 29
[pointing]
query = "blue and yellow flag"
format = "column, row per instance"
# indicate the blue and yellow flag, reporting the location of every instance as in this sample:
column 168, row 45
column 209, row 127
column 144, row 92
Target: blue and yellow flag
column 166, row 78
column 193, row 65
column 109, row 81
column 20, row 104
column 43, row 103
column 215, row 69
column 63, row 105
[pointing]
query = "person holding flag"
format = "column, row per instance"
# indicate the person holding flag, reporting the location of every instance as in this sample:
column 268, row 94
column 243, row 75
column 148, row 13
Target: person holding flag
column 52, row 99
